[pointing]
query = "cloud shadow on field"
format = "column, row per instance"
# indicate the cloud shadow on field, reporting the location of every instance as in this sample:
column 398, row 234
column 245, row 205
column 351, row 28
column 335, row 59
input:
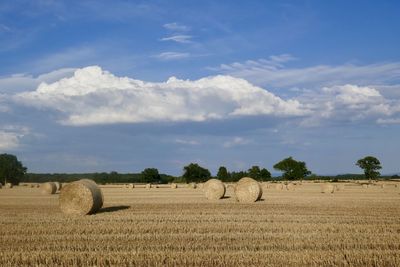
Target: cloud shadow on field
column 113, row 209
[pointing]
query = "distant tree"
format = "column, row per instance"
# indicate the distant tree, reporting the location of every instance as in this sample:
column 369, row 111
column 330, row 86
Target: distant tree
column 254, row 172
column 195, row 173
column 370, row 165
column 11, row 169
column 223, row 174
column 150, row 175
column 265, row 175
column 292, row 169
column 236, row 176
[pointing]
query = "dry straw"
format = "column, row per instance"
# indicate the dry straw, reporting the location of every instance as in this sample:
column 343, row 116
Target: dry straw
column 174, row 186
column 327, row 188
column 49, row 188
column 81, row 198
column 193, row 185
column 339, row 187
column 248, row 190
column 58, row 185
column 214, row 189
column 279, row 186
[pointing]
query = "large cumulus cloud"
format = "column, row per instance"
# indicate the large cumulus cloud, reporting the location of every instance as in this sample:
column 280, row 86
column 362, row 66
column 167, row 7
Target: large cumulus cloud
column 93, row 96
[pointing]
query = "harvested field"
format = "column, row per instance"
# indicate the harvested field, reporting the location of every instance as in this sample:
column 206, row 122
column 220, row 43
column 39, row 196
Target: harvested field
column 180, row 227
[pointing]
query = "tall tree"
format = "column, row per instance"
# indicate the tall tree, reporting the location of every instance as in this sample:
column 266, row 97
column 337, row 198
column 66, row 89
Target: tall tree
column 292, row 169
column 254, row 172
column 151, row 175
column 370, row 165
column 11, row 169
column 223, row 174
column 195, row 173
column 265, row 175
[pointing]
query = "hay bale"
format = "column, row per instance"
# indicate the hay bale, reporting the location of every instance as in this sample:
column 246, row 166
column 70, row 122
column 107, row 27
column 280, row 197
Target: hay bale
column 193, row 185
column 365, row 186
column 279, row 186
column 339, row 187
column 148, row 186
column 58, row 185
column 327, row 188
column 37, row 185
column 154, row 186
column 49, row 188
column 290, row 187
column 382, row 185
column 174, row 186
column 214, row 189
column 248, row 190
column 81, row 198
column 130, row 186
column 8, row 185
column 32, row 185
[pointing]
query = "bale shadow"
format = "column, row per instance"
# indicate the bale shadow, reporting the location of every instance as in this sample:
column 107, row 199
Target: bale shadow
column 225, row 197
column 113, row 209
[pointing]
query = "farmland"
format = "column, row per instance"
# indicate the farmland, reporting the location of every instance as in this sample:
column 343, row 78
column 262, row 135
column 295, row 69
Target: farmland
column 356, row 226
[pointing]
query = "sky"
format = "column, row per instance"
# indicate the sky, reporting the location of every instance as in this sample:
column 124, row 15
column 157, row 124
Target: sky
column 93, row 86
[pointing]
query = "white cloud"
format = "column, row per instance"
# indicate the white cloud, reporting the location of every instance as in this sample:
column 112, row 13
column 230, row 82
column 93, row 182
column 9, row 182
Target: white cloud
column 25, row 82
column 346, row 102
column 273, row 72
column 172, row 55
column 236, row 141
column 93, row 96
column 176, row 27
column 11, row 135
column 178, row 38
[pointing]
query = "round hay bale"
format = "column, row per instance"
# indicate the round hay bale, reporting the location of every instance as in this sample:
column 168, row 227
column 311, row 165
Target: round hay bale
column 58, row 185
column 279, row 186
column 130, row 186
column 248, row 190
column 32, row 186
column 327, row 188
column 9, row 185
column 290, row 187
column 49, row 188
column 214, row 189
column 174, row 186
column 365, row 186
column 37, row 185
column 154, row 186
column 339, row 187
column 382, row 185
column 193, row 185
column 148, row 186
column 81, row 198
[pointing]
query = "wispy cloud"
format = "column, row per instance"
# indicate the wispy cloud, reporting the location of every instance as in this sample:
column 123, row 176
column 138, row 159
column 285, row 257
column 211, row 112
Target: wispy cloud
column 10, row 136
column 273, row 72
column 178, row 38
column 174, row 26
column 4, row 28
column 172, row 55
column 187, row 142
column 236, row 141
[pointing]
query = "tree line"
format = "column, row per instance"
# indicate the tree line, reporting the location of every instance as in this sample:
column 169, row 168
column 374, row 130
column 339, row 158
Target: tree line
column 12, row 170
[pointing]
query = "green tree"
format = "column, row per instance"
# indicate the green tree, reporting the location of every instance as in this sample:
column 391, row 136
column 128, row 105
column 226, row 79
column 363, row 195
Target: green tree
column 254, row 172
column 223, row 174
column 150, row 175
column 11, row 169
column 265, row 175
column 292, row 169
column 370, row 165
column 195, row 173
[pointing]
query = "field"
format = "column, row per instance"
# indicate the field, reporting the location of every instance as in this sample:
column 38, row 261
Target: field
column 179, row 227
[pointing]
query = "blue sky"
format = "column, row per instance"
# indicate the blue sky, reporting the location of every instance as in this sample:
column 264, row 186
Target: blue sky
column 100, row 86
